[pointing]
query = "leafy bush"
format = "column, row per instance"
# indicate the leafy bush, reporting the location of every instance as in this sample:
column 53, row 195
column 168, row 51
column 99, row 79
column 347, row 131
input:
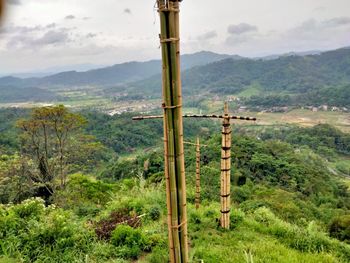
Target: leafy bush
column 340, row 228
column 154, row 213
column 32, row 232
column 131, row 242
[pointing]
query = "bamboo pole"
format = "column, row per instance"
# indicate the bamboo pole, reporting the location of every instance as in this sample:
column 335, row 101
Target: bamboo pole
column 225, row 170
column 232, row 117
column 198, row 165
column 173, row 131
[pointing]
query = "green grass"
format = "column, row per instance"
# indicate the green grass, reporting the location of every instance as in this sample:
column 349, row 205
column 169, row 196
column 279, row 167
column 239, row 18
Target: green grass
column 252, row 90
column 248, row 238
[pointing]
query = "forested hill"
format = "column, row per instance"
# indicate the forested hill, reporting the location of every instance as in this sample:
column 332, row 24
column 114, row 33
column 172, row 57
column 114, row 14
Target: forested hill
column 116, row 74
column 287, row 74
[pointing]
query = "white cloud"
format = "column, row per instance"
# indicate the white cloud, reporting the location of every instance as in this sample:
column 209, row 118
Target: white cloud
column 105, row 36
column 241, row 28
column 208, row 35
column 69, row 17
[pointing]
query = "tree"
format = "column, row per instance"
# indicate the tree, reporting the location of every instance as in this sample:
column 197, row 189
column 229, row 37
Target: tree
column 50, row 137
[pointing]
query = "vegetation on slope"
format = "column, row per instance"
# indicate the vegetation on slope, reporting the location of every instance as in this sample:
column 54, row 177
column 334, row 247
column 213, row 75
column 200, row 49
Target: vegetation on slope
column 287, row 206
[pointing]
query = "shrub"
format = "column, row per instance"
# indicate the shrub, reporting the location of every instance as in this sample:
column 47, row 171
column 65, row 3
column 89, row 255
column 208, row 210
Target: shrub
column 130, row 242
column 236, row 218
column 340, row 228
column 32, row 232
column 154, row 213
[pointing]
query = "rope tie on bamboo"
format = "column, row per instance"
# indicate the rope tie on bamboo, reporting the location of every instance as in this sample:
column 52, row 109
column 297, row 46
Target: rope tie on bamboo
column 164, row 106
column 226, row 124
column 225, row 148
column 180, row 225
column 226, row 133
column 167, row 9
column 171, row 39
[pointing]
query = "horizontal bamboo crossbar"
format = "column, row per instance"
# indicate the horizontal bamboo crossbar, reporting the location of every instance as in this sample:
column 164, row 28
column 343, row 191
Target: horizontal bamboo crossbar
column 195, row 144
column 232, row 117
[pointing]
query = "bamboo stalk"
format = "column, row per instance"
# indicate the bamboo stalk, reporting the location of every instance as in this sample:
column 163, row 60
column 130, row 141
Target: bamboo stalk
column 173, row 132
column 198, row 164
column 174, row 31
column 225, row 170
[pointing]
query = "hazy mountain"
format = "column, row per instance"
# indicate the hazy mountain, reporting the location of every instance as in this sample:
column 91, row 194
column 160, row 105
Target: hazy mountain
column 303, row 53
column 18, row 94
column 113, row 75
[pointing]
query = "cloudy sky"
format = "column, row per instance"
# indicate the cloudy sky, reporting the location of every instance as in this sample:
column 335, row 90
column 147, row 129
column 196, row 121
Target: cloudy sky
column 40, row 34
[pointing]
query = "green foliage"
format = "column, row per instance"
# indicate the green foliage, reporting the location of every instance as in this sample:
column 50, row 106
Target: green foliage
column 340, row 228
column 311, row 239
column 32, row 232
column 130, row 242
column 154, row 213
column 84, row 194
column 318, row 138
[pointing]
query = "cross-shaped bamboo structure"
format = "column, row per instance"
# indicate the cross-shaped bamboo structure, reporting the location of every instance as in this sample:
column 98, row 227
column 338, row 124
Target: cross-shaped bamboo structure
column 225, row 180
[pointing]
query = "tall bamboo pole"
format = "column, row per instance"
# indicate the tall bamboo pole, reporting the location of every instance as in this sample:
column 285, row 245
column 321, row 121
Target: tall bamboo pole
column 198, row 174
column 173, row 131
column 225, row 170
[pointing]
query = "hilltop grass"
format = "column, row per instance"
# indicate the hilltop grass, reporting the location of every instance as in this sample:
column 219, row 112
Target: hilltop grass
column 257, row 234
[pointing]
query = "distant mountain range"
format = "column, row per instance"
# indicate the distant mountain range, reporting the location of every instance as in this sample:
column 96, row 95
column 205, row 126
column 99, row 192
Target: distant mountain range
column 290, row 73
column 113, row 75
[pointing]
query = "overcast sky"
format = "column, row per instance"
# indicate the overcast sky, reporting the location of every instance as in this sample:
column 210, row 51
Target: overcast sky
column 39, row 34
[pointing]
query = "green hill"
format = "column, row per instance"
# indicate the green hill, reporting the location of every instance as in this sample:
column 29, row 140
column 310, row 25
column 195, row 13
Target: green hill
column 322, row 78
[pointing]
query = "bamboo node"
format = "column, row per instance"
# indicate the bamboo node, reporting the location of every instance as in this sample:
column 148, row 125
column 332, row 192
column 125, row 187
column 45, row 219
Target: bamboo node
column 227, row 195
column 225, row 212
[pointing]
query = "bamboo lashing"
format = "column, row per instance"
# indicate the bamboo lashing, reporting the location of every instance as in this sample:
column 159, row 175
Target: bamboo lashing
column 231, row 117
column 173, row 131
column 225, row 170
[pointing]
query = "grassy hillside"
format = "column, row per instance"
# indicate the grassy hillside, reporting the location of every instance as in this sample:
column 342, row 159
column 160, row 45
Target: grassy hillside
column 290, row 198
